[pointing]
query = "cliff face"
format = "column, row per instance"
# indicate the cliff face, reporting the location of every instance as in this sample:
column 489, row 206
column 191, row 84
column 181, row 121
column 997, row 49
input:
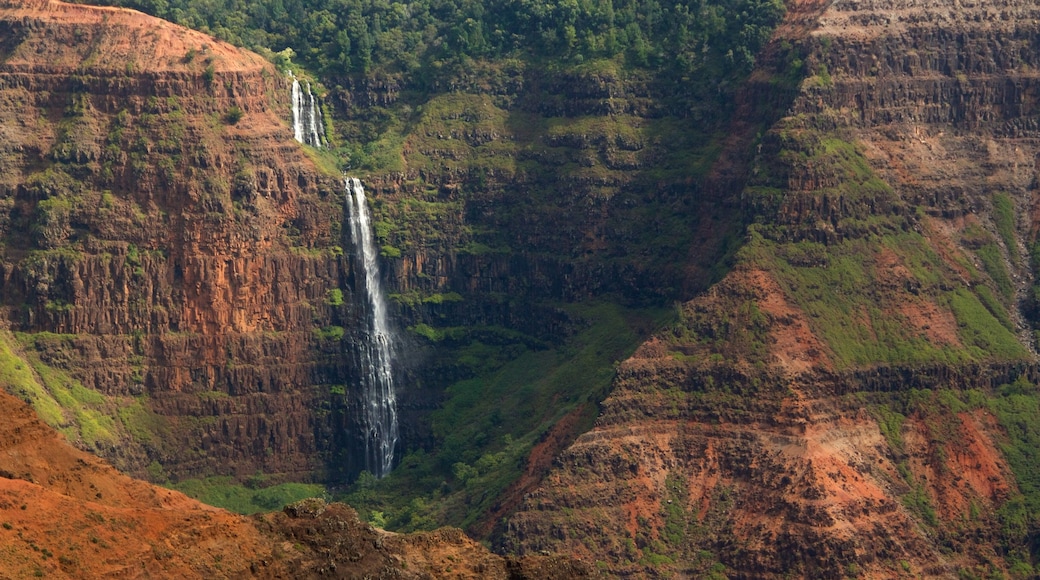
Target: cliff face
column 839, row 403
column 165, row 244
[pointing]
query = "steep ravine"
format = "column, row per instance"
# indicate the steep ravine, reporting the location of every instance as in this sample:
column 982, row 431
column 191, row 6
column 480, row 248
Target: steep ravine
column 839, row 405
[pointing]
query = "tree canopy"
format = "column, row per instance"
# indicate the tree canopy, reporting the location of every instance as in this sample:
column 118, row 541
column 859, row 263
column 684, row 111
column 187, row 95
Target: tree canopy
column 337, row 38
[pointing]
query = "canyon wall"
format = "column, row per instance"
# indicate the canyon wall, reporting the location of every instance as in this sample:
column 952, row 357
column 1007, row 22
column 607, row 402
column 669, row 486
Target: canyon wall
column 851, row 396
column 838, row 405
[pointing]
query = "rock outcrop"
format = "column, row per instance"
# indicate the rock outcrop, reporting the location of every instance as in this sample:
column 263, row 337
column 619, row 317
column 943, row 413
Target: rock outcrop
column 67, row 514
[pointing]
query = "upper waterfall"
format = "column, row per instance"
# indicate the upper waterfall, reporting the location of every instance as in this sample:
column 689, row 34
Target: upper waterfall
column 307, row 125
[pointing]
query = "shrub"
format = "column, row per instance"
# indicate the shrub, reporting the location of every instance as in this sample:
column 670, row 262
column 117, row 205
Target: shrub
column 233, row 116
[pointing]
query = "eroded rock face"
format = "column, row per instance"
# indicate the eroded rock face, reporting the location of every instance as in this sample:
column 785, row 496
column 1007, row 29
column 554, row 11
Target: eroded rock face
column 757, row 436
column 173, row 245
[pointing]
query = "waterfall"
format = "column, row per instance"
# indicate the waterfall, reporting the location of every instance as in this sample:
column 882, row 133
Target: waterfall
column 378, row 402
column 307, row 124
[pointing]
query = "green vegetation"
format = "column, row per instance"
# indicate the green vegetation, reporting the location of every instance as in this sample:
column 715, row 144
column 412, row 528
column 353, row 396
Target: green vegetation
column 251, row 498
column 835, row 285
column 91, row 413
column 891, row 424
column 81, row 414
column 330, row 333
column 993, row 262
column 699, row 41
column 233, row 115
column 334, row 297
column 1016, row 407
column 141, row 423
column 983, row 334
column 1004, row 219
column 862, row 289
column 19, row 380
column 519, row 388
column 919, row 503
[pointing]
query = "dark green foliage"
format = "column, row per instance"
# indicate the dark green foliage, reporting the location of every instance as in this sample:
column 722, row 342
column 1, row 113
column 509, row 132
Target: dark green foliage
column 233, row 116
column 701, row 41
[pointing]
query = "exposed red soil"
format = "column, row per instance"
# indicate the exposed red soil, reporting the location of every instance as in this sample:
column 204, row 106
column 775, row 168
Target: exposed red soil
column 793, row 344
column 113, row 38
column 937, row 324
column 964, row 468
column 67, row 514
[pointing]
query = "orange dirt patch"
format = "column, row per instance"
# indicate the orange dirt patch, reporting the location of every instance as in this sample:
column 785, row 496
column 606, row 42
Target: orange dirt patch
column 68, row 514
column 115, row 38
column 794, row 346
column 942, row 234
column 959, row 471
column 890, row 267
column 937, row 324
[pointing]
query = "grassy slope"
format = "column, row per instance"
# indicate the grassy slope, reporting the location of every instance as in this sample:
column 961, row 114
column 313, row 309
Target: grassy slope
column 247, row 499
column 860, row 273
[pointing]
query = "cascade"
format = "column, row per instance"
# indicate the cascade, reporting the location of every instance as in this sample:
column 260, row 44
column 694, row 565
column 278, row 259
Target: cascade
column 307, row 124
column 378, row 402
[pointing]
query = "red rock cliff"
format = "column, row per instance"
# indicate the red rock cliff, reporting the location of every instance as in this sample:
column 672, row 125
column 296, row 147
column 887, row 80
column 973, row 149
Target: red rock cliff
column 172, row 243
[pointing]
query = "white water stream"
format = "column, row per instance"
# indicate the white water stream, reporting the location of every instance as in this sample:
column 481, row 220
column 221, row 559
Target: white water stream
column 307, row 124
column 379, row 404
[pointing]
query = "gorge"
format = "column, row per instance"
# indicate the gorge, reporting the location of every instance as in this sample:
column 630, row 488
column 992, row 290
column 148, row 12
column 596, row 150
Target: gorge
column 698, row 290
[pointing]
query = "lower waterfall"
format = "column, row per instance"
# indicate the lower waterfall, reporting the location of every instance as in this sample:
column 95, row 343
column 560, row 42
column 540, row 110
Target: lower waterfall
column 379, row 403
